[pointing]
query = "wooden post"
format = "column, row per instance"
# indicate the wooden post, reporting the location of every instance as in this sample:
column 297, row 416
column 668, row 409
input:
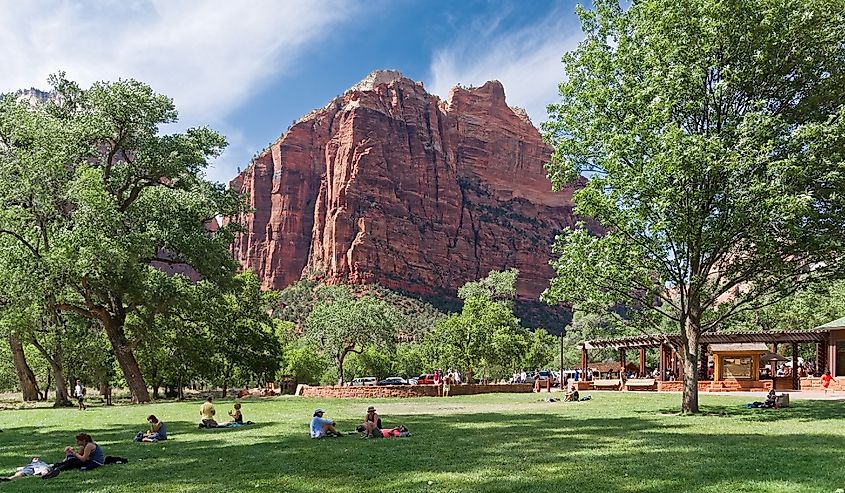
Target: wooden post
column 584, row 362
column 673, row 360
column 794, row 366
column 622, row 360
column 561, row 381
column 702, row 358
column 821, row 348
column 661, row 363
column 679, row 364
column 642, row 363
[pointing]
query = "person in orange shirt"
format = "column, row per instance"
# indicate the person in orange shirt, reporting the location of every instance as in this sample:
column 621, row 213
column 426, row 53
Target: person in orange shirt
column 826, row 378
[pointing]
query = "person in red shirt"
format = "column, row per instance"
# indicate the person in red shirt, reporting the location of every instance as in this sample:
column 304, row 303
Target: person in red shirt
column 826, row 378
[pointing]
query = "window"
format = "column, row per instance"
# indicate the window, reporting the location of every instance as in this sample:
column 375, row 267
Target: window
column 736, row 367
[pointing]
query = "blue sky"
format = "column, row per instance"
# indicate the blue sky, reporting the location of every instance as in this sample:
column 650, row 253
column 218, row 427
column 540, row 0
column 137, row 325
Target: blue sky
column 248, row 69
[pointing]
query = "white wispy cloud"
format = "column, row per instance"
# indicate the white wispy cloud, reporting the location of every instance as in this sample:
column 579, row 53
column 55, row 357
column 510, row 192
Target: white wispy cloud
column 526, row 60
column 209, row 56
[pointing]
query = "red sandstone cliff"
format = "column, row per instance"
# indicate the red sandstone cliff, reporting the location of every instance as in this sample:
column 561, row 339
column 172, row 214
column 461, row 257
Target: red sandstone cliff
column 389, row 184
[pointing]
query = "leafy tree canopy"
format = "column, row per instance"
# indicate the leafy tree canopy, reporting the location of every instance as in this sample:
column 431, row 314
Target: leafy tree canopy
column 713, row 133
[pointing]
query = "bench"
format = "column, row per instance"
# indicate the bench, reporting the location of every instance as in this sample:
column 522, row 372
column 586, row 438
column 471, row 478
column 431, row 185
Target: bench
column 641, row 384
column 611, row 384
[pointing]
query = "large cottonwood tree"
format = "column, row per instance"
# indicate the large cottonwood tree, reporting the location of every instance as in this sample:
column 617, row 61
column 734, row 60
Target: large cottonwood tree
column 714, row 137
column 95, row 200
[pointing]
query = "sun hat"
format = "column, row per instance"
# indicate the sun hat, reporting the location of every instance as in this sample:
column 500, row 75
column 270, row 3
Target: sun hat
column 318, row 411
column 371, row 409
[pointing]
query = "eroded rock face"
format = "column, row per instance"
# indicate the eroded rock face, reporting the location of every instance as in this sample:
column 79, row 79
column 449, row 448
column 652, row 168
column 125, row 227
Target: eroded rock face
column 389, row 184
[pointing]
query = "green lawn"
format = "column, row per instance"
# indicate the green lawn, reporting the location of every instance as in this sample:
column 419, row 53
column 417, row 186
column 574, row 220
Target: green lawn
column 495, row 443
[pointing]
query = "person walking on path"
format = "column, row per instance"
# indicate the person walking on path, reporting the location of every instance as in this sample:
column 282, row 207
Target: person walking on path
column 79, row 393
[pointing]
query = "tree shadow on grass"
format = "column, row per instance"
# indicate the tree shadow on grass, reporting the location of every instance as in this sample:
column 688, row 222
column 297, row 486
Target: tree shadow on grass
column 485, row 452
column 799, row 410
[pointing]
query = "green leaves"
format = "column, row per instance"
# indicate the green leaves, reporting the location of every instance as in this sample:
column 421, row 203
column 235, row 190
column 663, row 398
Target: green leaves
column 716, row 148
column 712, row 134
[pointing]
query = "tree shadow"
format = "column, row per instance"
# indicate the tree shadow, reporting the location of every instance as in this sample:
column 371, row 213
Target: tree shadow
column 798, row 410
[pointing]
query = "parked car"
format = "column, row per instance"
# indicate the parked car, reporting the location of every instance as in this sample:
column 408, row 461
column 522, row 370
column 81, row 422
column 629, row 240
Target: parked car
column 393, row 381
column 426, row 378
column 547, row 374
column 364, row 382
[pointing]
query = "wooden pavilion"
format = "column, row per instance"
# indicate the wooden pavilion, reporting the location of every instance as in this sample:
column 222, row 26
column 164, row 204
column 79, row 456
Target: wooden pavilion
column 828, row 338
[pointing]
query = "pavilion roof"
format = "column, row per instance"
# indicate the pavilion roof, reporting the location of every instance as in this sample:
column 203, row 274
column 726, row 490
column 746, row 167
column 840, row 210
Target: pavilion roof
column 674, row 340
column 757, row 347
column 839, row 323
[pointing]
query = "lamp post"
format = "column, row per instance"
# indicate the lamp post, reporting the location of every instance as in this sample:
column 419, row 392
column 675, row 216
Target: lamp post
column 560, row 382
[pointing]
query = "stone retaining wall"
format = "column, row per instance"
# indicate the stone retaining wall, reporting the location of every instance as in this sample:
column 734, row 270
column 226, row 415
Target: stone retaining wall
column 813, row 383
column 407, row 390
column 720, row 386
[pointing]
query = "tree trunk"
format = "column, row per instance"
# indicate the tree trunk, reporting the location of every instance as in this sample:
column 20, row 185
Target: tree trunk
column 126, row 359
column 339, row 361
column 690, row 335
column 105, row 392
column 47, row 386
column 57, row 372
column 29, row 386
column 156, row 383
column 227, row 373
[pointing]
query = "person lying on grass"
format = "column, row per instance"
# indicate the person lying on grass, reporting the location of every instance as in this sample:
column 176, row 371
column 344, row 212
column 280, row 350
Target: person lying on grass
column 399, row 431
column 35, row 468
column 158, row 431
column 90, row 456
column 207, row 413
column 322, row 427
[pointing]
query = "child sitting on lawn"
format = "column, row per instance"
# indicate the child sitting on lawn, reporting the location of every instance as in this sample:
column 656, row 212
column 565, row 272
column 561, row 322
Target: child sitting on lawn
column 237, row 418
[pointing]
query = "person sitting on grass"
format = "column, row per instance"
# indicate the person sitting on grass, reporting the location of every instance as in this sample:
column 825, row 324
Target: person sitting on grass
column 90, row 456
column 158, row 431
column 322, row 427
column 207, row 412
column 35, row 468
column 571, row 393
column 771, row 399
column 237, row 418
column 236, row 415
column 372, row 424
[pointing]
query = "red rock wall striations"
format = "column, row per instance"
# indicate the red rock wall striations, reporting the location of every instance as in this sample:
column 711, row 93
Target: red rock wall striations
column 389, row 184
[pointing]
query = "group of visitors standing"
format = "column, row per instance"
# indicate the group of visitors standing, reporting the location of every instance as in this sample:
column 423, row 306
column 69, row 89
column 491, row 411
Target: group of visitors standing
column 445, row 381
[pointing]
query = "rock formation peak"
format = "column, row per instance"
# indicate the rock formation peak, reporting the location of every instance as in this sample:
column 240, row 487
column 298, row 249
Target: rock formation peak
column 376, row 78
column 389, row 184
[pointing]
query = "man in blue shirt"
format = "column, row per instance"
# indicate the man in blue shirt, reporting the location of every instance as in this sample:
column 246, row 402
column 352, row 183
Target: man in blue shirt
column 321, row 427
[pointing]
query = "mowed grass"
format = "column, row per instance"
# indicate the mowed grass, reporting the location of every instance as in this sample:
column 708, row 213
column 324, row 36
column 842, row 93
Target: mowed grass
column 491, row 443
